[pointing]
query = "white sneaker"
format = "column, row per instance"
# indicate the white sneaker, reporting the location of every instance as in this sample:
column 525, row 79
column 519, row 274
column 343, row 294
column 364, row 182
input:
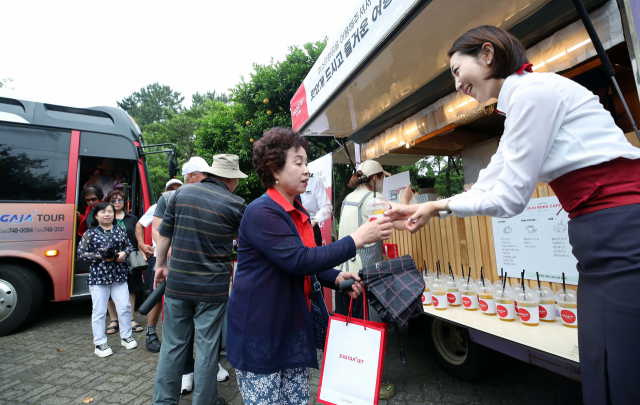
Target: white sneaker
column 223, row 375
column 187, row 383
column 129, row 343
column 103, row 350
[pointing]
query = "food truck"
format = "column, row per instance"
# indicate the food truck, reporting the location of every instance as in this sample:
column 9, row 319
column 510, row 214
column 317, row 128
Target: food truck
column 383, row 87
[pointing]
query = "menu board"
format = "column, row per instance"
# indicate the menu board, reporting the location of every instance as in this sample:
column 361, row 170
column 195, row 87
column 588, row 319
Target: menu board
column 536, row 241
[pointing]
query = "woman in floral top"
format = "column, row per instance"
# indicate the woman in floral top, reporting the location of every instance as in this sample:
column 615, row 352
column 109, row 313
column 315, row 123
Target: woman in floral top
column 106, row 247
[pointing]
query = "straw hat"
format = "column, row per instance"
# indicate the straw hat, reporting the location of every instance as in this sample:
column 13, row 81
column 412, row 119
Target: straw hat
column 371, row 167
column 227, row 166
column 107, row 164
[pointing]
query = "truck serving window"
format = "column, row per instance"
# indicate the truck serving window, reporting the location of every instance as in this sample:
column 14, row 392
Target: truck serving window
column 34, row 164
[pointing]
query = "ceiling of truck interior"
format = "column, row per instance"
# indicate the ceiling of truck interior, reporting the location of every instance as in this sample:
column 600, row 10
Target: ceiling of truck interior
column 411, row 71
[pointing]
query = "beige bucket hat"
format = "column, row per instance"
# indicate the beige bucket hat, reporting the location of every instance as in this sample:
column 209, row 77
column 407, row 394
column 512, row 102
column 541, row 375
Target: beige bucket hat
column 227, row 166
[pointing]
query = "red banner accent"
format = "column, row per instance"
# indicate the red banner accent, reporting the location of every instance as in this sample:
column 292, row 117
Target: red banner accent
column 299, row 111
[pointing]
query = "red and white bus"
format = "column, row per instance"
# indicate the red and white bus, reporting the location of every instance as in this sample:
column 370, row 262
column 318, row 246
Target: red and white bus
column 47, row 153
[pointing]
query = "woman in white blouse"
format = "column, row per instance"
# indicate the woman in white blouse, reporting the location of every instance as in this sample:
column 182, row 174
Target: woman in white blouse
column 557, row 132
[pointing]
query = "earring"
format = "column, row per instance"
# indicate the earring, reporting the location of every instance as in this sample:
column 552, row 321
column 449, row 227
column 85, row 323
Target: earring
column 276, row 181
column 488, row 62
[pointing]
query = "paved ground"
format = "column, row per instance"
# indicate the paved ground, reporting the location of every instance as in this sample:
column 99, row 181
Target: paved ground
column 52, row 362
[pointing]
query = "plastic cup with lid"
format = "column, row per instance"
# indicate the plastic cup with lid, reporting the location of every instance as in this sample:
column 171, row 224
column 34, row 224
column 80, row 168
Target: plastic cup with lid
column 439, row 294
column 485, row 298
column 505, row 303
column 426, row 294
column 528, row 303
column 547, row 305
column 453, row 291
column 469, row 292
column 375, row 208
column 568, row 306
column 517, row 288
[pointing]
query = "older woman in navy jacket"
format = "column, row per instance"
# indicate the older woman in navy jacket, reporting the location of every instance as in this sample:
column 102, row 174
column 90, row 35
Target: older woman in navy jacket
column 270, row 339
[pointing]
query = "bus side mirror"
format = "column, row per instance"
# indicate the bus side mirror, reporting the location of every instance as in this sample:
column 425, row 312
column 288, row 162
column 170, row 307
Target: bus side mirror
column 173, row 168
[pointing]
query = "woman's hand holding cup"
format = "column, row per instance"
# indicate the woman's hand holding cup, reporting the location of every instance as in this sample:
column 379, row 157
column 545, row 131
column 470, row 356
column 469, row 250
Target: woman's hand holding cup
column 373, row 231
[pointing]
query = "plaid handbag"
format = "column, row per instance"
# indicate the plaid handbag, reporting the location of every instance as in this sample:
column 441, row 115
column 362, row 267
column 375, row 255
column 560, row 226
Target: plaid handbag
column 396, row 286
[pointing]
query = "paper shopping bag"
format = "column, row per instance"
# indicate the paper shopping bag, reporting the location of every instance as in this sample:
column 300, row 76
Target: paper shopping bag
column 352, row 363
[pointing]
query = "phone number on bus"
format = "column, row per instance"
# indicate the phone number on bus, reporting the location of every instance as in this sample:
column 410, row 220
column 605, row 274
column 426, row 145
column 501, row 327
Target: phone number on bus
column 33, row 230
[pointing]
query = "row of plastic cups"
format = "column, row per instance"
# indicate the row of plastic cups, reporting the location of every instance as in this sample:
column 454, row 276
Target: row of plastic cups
column 507, row 302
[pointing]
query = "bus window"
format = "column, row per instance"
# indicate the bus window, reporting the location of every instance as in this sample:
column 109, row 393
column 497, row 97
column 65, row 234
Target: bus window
column 34, row 164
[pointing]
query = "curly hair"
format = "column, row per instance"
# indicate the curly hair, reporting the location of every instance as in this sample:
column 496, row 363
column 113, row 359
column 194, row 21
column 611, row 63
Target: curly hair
column 270, row 152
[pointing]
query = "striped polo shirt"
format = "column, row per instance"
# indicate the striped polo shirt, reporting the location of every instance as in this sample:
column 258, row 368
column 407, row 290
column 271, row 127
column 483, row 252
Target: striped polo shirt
column 202, row 220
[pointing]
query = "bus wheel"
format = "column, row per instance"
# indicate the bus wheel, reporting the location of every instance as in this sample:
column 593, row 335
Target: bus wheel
column 21, row 295
column 456, row 353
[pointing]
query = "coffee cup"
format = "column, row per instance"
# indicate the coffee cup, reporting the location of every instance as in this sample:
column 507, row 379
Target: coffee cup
column 453, row 292
column 505, row 305
column 439, row 294
column 528, row 303
column 469, row 293
column 485, row 299
column 568, row 306
column 517, row 289
column 426, row 295
column 547, row 305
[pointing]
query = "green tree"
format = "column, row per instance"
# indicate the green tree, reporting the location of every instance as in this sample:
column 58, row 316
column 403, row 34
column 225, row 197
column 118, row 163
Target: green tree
column 259, row 104
column 152, row 104
column 200, row 99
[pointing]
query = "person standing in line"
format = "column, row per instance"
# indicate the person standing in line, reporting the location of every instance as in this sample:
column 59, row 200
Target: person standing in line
column 106, row 246
column 152, row 341
column 199, row 225
column 557, row 132
column 317, row 203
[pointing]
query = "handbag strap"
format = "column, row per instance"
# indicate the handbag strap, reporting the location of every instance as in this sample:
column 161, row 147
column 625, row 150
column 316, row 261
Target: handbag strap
column 365, row 309
column 318, row 290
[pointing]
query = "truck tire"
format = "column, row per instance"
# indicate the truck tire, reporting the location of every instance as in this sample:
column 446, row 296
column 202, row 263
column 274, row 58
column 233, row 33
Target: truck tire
column 21, row 296
column 455, row 352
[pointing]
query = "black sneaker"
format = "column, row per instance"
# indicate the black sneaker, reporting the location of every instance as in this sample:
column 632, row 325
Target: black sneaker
column 220, row 401
column 153, row 343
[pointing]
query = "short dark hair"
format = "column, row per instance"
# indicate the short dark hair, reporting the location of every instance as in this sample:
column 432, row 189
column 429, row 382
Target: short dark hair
column 270, row 152
column 92, row 189
column 103, row 205
column 508, row 52
column 114, row 193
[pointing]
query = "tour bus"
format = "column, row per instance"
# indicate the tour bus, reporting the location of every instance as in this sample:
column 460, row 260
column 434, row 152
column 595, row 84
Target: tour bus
column 47, row 153
column 383, row 85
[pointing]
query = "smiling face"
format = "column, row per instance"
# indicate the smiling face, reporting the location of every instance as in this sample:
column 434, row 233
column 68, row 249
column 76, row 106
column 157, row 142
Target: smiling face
column 470, row 73
column 105, row 216
column 294, row 176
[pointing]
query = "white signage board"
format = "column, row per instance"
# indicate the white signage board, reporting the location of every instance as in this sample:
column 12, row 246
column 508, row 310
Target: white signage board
column 536, row 241
column 393, row 186
column 362, row 30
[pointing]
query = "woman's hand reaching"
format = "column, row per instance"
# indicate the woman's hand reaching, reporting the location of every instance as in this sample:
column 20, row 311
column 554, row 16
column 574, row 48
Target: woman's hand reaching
column 356, row 288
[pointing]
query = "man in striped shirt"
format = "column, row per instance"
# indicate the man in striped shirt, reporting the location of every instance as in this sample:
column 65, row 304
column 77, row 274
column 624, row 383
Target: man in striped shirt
column 199, row 225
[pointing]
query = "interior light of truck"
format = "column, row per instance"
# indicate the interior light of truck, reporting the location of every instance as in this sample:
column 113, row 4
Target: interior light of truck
column 583, row 43
column 51, row 253
column 538, row 66
column 561, row 54
column 390, row 140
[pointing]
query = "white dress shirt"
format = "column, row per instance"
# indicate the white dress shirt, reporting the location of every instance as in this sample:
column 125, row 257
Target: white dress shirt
column 553, row 126
column 316, row 200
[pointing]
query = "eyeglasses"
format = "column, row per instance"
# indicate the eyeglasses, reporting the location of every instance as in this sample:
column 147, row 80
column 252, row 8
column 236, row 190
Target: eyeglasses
column 117, row 200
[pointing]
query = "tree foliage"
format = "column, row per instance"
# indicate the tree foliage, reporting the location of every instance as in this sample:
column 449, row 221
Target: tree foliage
column 152, row 104
column 198, row 99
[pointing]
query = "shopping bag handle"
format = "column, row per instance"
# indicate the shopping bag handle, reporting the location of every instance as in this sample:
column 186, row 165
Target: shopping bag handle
column 365, row 309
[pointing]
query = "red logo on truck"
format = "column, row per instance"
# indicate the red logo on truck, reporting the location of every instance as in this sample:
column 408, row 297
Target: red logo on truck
column 299, row 111
column 568, row 316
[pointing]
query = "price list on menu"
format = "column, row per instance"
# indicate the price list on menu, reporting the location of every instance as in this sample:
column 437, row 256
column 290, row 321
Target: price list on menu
column 536, row 241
